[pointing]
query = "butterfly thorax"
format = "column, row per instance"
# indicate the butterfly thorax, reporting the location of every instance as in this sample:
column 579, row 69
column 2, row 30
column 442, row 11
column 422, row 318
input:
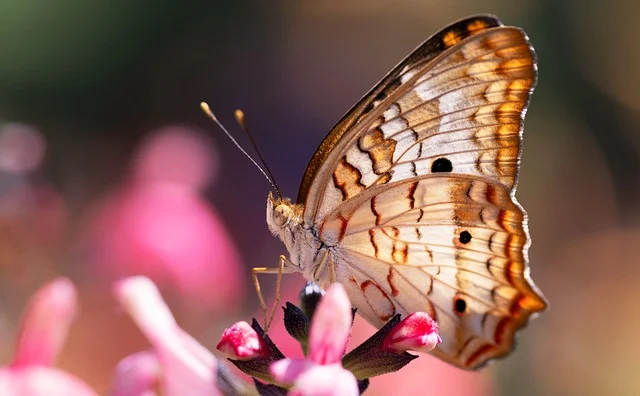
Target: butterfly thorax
column 306, row 251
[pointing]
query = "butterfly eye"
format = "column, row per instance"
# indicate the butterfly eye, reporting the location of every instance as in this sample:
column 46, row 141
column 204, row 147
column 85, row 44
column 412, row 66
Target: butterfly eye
column 281, row 215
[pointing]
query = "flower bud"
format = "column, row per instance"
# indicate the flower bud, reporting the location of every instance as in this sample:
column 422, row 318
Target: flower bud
column 417, row 332
column 241, row 342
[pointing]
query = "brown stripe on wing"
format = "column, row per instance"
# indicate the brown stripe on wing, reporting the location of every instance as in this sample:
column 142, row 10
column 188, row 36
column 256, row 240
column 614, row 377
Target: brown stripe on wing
column 509, row 267
column 375, row 293
column 379, row 149
column 392, row 286
column 411, row 195
column 348, row 179
column 374, row 210
column 400, row 252
column 372, row 240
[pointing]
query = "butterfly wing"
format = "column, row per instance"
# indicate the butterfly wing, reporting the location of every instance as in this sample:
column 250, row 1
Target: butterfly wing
column 450, row 245
column 465, row 105
column 345, row 128
column 445, row 128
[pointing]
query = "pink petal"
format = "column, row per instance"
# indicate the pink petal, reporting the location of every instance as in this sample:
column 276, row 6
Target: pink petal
column 137, row 375
column 188, row 368
column 328, row 380
column 417, row 332
column 241, row 342
column 41, row 381
column 286, row 371
column 330, row 326
column 45, row 324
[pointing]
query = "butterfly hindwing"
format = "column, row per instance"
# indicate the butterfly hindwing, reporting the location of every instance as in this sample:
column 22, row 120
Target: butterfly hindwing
column 434, row 242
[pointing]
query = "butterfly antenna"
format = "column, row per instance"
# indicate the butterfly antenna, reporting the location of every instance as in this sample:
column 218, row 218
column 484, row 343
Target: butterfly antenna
column 239, row 114
column 240, row 118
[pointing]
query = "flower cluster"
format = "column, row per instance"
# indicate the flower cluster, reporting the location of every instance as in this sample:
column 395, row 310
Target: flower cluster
column 178, row 365
column 322, row 327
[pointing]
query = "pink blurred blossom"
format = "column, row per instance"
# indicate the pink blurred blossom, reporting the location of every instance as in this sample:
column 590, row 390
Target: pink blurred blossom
column 177, row 363
column 176, row 154
column 321, row 373
column 157, row 224
column 43, row 331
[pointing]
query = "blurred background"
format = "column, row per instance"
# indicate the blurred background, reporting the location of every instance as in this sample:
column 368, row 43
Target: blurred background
column 109, row 168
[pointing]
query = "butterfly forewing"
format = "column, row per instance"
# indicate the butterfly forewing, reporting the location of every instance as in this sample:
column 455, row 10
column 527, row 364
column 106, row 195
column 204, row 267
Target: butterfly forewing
column 460, row 113
column 428, row 50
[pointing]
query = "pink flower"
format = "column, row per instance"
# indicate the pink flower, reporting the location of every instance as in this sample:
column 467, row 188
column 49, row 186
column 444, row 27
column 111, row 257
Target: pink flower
column 178, row 363
column 327, row 370
column 241, row 342
column 44, row 329
column 417, row 332
column 321, row 373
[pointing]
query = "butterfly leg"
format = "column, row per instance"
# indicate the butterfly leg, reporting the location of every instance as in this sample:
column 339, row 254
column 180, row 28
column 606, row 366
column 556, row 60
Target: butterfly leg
column 281, row 269
column 332, row 270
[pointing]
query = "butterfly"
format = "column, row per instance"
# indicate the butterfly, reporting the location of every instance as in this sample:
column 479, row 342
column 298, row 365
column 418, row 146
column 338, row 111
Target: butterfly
column 409, row 202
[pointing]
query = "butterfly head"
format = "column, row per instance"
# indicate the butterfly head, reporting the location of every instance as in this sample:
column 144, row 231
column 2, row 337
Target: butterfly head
column 282, row 214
